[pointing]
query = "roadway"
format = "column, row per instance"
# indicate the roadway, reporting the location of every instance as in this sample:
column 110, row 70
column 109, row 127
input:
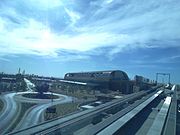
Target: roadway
column 34, row 115
column 115, row 118
column 81, row 119
column 9, row 111
column 152, row 109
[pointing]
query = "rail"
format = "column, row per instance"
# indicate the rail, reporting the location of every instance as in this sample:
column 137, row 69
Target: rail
column 158, row 124
column 114, row 127
column 59, row 123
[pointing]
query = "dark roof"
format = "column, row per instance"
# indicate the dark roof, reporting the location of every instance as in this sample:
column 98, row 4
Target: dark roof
column 96, row 71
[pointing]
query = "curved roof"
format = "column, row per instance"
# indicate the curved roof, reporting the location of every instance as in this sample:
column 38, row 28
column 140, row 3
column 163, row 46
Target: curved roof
column 103, row 71
column 111, row 73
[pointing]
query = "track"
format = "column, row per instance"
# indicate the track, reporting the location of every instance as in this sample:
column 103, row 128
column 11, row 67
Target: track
column 56, row 124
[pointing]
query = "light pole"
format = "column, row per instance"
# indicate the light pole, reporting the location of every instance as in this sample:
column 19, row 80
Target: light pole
column 164, row 74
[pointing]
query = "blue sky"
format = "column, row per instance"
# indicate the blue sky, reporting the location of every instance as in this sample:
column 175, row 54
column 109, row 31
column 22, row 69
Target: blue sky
column 52, row 37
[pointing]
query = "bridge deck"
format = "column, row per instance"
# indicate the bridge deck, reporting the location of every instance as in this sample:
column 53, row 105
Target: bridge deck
column 157, row 126
column 111, row 129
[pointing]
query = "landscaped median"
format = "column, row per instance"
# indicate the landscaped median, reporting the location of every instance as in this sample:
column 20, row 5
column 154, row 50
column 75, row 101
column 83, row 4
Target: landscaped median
column 62, row 110
column 1, row 104
column 38, row 96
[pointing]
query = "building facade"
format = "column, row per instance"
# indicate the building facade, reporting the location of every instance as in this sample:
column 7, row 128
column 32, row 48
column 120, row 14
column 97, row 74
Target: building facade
column 104, row 80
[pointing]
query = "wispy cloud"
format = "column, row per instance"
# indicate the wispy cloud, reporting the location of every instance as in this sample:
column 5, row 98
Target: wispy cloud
column 74, row 16
column 113, row 23
column 4, row 59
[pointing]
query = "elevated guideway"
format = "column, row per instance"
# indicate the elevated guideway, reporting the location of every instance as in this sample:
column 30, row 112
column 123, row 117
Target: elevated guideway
column 118, row 124
column 157, row 126
column 170, row 126
column 155, row 118
column 77, row 121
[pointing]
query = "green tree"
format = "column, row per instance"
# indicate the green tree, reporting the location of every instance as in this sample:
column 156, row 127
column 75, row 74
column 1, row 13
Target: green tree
column 41, row 89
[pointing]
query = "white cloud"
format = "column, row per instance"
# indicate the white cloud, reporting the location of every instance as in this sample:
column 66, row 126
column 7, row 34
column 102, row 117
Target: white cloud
column 4, row 59
column 143, row 22
column 109, row 1
column 1, row 25
column 74, row 16
column 36, row 38
column 45, row 4
column 128, row 26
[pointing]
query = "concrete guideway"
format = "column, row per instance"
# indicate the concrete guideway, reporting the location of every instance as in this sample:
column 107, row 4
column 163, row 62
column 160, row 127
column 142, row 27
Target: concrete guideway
column 111, row 129
column 55, row 125
column 157, row 126
column 63, row 123
column 158, row 117
column 108, row 121
column 171, row 126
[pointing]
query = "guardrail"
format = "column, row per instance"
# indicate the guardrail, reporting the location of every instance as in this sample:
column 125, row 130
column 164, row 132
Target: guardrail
column 170, row 126
column 159, row 122
column 60, row 123
column 114, row 127
column 102, row 125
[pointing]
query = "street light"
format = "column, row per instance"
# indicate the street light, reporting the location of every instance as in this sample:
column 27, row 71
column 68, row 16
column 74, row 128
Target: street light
column 164, row 74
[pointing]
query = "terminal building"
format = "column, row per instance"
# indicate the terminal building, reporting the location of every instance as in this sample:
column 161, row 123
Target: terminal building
column 115, row 80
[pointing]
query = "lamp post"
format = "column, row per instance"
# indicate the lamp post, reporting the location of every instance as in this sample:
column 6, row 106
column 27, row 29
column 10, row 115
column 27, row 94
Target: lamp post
column 164, row 74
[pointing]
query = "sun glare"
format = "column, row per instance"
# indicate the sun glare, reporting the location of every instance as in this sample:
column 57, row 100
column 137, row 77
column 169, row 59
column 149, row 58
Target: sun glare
column 46, row 35
column 45, row 41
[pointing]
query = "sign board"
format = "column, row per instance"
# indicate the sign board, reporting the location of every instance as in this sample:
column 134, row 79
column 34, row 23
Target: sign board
column 51, row 110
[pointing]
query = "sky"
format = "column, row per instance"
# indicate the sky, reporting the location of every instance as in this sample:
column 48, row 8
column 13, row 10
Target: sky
column 53, row 37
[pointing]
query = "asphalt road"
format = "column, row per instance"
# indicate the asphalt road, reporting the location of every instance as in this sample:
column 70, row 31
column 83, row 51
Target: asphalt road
column 9, row 111
column 32, row 116
column 35, row 114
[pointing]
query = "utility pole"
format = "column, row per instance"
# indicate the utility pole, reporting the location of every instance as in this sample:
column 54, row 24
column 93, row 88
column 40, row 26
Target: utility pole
column 163, row 74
